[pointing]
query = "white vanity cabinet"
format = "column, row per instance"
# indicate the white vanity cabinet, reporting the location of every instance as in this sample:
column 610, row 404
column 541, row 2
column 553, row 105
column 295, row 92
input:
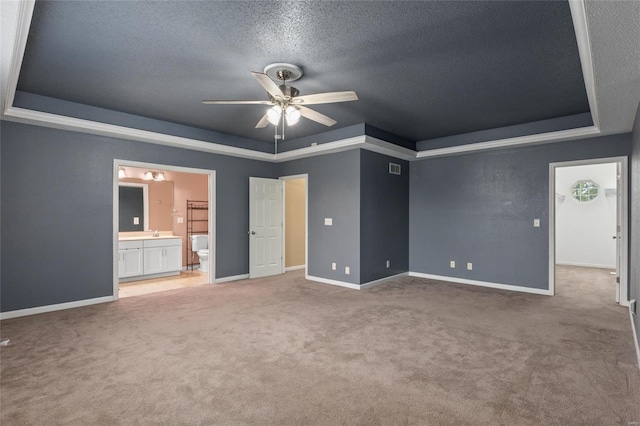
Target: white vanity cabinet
column 129, row 259
column 149, row 258
column 161, row 256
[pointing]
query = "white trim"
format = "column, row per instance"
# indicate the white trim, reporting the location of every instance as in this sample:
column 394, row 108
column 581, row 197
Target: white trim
column 23, row 24
column 211, row 174
column 508, row 287
column 232, row 278
column 585, row 265
column 558, row 136
column 382, row 280
column 624, row 231
column 294, row 268
column 325, row 148
column 633, row 307
column 56, row 307
column 387, row 148
column 70, row 123
column 355, row 286
column 581, row 28
column 333, row 282
column 145, row 200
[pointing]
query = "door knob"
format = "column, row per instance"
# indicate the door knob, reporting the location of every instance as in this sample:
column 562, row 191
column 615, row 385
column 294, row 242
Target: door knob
column 252, row 232
column 614, row 237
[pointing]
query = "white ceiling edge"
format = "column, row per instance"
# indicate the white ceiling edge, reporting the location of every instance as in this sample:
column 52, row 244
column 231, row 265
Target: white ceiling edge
column 16, row 20
column 581, row 28
column 559, row 136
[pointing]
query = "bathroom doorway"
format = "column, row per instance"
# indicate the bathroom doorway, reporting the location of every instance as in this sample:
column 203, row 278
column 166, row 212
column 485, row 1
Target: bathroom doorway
column 141, row 262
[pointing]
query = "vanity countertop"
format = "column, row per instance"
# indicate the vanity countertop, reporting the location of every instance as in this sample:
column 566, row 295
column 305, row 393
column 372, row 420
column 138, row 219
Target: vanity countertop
column 148, row 237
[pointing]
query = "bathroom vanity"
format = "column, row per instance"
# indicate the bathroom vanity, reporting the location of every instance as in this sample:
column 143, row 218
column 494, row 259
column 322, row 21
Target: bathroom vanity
column 142, row 258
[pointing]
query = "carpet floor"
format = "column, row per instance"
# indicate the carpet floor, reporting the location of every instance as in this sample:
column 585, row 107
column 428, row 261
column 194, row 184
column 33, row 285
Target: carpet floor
column 286, row 351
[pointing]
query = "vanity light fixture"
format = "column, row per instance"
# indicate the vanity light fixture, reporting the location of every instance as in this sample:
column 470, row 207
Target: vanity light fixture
column 156, row 176
column 122, row 173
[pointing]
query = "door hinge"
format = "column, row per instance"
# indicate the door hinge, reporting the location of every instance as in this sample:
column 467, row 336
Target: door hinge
column 617, row 280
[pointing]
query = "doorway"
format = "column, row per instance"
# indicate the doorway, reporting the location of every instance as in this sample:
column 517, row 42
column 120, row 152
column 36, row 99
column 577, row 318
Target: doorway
column 167, row 216
column 588, row 232
column 295, row 222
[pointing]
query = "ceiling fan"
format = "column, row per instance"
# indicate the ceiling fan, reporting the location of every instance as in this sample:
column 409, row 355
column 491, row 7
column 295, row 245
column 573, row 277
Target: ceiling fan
column 285, row 99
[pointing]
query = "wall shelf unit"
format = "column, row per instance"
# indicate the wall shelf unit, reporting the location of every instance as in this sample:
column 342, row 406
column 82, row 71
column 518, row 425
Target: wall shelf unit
column 197, row 224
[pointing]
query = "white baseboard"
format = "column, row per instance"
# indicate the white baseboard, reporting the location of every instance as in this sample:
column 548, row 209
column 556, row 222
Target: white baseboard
column 585, row 265
column 382, row 280
column 294, row 268
column 232, row 278
column 333, row 282
column 482, row 283
column 355, row 286
column 56, row 307
column 633, row 306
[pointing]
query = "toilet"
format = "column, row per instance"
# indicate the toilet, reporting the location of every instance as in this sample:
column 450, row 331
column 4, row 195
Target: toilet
column 199, row 244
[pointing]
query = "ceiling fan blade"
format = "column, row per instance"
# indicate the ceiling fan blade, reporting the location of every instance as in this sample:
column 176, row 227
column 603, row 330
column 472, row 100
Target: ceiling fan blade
column 268, row 85
column 326, row 98
column 263, row 122
column 316, row 116
column 213, row 102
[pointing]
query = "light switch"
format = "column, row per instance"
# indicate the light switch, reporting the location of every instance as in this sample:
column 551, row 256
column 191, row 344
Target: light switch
column 536, row 223
column 328, row 221
column 136, row 221
column 469, row 266
column 333, row 266
column 347, row 270
column 180, row 219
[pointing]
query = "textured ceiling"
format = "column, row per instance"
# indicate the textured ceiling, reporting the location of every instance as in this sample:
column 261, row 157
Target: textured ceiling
column 422, row 70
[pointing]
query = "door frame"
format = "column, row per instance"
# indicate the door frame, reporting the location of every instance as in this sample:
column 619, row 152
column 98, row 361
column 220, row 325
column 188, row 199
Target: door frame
column 304, row 176
column 211, row 174
column 622, row 204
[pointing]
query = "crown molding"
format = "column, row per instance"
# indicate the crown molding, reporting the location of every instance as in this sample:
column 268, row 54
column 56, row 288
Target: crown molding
column 581, row 28
column 561, row 135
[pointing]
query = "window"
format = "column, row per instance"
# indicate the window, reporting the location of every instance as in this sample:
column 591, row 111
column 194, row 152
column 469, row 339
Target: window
column 584, row 190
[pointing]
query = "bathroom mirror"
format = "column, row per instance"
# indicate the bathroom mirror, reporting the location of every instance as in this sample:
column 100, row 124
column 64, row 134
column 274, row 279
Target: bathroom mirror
column 149, row 201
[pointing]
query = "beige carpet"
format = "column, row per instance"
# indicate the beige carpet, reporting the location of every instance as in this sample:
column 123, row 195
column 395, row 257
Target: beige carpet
column 285, row 351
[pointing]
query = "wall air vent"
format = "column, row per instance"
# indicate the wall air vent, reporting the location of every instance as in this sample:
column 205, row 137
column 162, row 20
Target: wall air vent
column 394, row 168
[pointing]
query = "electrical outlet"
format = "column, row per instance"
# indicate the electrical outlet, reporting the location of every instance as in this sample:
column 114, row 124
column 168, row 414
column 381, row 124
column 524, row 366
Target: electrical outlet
column 452, row 263
column 347, row 270
column 333, row 266
column 388, row 263
column 328, row 221
column 469, row 266
column 136, row 221
column 536, row 223
column 180, row 219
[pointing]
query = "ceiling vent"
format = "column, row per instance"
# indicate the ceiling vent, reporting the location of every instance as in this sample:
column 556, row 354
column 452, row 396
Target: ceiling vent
column 394, row 169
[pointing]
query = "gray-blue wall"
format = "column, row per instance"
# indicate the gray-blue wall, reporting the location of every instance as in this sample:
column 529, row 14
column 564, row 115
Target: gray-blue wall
column 384, row 217
column 480, row 208
column 634, row 256
column 333, row 192
column 57, row 211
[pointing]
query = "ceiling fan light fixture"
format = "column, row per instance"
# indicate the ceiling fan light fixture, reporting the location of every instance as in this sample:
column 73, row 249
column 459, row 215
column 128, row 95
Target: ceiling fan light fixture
column 273, row 115
column 292, row 114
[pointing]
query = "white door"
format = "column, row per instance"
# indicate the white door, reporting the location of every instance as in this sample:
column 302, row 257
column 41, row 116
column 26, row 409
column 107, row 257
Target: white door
column 265, row 227
column 621, row 293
